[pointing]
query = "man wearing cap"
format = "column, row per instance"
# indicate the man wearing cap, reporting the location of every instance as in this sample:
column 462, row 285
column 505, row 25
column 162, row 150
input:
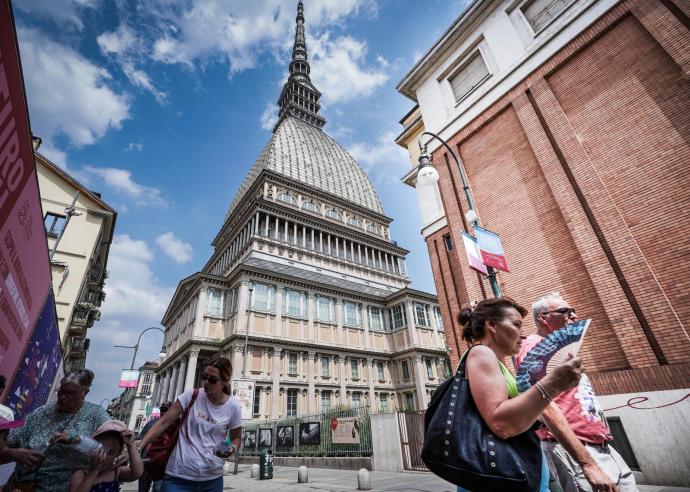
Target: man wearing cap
column 145, row 481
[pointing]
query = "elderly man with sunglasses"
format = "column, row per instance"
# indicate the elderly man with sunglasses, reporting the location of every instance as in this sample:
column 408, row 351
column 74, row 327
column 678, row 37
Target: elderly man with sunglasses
column 576, row 440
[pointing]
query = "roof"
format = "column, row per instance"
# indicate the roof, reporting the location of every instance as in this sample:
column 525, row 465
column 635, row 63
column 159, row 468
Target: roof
column 307, row 155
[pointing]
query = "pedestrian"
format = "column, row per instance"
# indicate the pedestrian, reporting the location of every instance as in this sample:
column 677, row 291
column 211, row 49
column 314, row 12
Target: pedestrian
column 103, row 475
column 43, row 447
column 194, row 464
column 145, row 481
column 7, row 422
column 493, row 329
column 576, row 440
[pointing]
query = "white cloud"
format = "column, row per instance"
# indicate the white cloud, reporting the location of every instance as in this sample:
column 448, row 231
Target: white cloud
column 67, row 94
column 270, row 116
column 63, row 12
column 134, row 146
column 174, row 248
column 120, row 180
column 383, row 159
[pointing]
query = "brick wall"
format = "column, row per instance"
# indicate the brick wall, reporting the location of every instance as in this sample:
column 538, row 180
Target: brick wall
column 583, row 170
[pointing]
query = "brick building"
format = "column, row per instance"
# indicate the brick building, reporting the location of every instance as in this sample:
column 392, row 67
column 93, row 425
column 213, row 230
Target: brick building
column 572, row 121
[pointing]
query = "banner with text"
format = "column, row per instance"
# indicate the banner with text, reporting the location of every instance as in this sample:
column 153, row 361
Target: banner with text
column 128, row 379
column 24, row 265
column 474, row 256
column 243, row 390
column 345, row 430
column 491, row 249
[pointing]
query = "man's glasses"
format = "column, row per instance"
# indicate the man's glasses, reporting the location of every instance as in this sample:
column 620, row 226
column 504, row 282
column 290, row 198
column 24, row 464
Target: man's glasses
column 565, row 311
column 210, row 379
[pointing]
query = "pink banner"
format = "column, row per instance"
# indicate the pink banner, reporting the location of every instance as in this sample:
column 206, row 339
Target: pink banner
column 24, row 266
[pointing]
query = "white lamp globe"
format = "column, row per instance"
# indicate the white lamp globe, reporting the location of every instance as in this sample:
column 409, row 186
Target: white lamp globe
column 427, row 176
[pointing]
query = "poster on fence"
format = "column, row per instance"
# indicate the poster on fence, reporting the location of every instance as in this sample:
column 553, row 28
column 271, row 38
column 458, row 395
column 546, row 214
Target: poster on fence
column 345, row 430
column 286, row 436
column 243, row 391
column 309, row 434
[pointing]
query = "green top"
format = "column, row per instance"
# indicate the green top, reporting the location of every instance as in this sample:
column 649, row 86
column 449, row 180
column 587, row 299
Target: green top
column 507, row 375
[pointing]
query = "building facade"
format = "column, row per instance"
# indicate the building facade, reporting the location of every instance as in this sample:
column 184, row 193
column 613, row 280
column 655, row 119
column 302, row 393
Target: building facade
column 136, row 405
column 571, row 122
column 79, row 263
column 306, row 292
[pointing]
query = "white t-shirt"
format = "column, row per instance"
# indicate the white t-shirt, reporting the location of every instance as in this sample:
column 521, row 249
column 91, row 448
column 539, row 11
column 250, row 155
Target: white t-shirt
column 206, row 426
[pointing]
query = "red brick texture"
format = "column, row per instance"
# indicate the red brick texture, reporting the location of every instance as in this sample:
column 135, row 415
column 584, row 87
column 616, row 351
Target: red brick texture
column 584, row 170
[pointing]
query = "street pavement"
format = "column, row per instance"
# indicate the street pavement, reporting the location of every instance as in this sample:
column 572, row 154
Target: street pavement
column 285, row 480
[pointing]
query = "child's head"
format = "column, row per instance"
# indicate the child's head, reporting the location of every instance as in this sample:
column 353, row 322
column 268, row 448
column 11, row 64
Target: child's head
column 7, row 422
column 110, row 436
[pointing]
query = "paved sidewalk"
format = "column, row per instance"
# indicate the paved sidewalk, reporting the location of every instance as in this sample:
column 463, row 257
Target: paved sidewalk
column 285, row 480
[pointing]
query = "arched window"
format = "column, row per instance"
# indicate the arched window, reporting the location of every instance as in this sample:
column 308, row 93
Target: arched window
column 287, row 198
column 373, row 228
column 312, row 207
column 353, row 221
column 334, row 214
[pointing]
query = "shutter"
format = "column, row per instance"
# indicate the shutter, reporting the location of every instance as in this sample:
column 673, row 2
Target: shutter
column 539, row 13
column 473, row 72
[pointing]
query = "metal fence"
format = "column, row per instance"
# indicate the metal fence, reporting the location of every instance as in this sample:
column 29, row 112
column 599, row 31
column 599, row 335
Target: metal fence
column 411, row 425
column 307, row 435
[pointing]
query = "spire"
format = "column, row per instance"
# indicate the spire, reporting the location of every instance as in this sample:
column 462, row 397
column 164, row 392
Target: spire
column 299, row 97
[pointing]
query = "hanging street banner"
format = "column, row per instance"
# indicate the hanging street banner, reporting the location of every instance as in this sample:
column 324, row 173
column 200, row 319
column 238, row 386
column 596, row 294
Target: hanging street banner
column 491, row 249
column 39, row 365
column 24, row 266
column 345, row 430
column 474, row 256
column 128, row 379
column 243, row 390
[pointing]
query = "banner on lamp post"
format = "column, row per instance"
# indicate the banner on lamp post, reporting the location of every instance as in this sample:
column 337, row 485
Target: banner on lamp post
column 491, row 249
column 474, row 256
column 128, row 379
column 243, row 390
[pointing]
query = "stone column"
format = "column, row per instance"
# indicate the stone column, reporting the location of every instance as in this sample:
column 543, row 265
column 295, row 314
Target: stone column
column 181, row 377
column 311, row 396
column 339, row 321
column 434, row 327
column 411, row 325
column 173, row 382
column 420, row 382
column 279, row 311
column 275, row 397
column 276, row 232
column 370, row 380
column 365, row 325
column 156, row 390
column 266, row 223
column 341, row 379
column 165, row 385
column 191, row 370
column 310, row 317
column 242, row 308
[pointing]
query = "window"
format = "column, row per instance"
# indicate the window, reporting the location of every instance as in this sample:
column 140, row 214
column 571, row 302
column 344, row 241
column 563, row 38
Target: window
column 383, row 400
column 356, row 398
column 232, row 302
column 263, row 298
column 292, row 403
column 448, row 241
column 405, row 370
column 142, row 404
column 540, row 13
column 311, row 207
column 325, row 401
column 139, row 421
column 354, row 367
column 621, row 442
column 325, row 366
column 292, row 363
column 379, row 368
column 334, row 214
column 439, row 318
column 295, row 303
column 470, row 75
column 420, row 315
column 215, row 299
column 325, row 309
column 353, row 221
column 409, row 402
column 374, row 229
column 429, row 369
column 146, row 384
column 375, row 321
column 54, row 224
column 398, row 316
column 256, row 410
column 287, row 198
column 351, row 311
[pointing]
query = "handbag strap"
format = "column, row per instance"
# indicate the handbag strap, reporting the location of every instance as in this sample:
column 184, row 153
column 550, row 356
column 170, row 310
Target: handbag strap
column 461, row 372
column 185, row 414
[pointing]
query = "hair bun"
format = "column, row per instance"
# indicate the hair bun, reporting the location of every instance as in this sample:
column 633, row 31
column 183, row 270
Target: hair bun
column 465, row 314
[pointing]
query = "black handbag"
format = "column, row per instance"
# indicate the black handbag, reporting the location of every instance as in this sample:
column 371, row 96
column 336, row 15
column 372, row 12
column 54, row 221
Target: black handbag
column 460, row 448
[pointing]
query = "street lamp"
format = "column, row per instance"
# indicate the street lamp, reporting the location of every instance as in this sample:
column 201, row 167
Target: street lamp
column 136, row 347
column 428, row 176
column 246, row 334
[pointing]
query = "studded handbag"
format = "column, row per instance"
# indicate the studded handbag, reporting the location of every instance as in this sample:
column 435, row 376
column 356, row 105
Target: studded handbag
column 460, row 448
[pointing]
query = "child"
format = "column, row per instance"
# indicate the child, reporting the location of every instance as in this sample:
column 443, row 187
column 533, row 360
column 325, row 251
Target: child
column 102, row 474
column 7, row 422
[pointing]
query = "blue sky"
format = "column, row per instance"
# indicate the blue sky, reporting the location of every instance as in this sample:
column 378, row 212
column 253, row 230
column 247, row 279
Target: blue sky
column 163, row 105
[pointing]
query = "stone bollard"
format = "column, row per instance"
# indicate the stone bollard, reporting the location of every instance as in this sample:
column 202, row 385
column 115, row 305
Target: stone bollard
column 227, row 468
column 302, row 474
column 363, row 479
column 255, row 471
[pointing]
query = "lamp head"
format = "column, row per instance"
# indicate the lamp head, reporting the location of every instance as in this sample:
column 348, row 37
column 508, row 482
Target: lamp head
column 426, row 175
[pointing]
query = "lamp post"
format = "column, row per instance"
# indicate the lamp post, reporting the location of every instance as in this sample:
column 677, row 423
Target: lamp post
column 427, row 175
column 246, row 333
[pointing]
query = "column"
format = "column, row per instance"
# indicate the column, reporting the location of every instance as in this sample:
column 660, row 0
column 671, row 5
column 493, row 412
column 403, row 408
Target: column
column 434, row 326
column 411, row 324
column 313, row 244
column 156, row 391
column 294, row 230
column 256, row 223
column 380, row 261
column 365, row 325
column 320, row 242
column 304, row 237
column 173, row 383
column 285, row 232
column 385, row 255
column 166, row 385
column 237, row 359
column 328, row 238
column 311, row 396
column 275, row 389
column 279, row 311
column 337, row 249
column 310, row 316
column 268, row 219
column 359, row 252
column 277, row 229
column 370, row 380
column 242, row 307
column 420, row 382
column 352, row 251
column 341, row 379
column 181, row 377
column 366, row 255
column 339, row 321
column 191, row 370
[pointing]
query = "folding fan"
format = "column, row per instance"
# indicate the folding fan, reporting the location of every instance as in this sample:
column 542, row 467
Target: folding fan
column 550, row 352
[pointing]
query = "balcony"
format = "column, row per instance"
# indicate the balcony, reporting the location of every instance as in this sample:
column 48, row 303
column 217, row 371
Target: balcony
column 78, row 347
column 77, row 327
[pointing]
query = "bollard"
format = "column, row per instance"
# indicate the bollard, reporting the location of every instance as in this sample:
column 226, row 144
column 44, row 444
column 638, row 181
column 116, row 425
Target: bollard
column 227, row 468
column 363, row 480
column 302, row 474
column 255, row 471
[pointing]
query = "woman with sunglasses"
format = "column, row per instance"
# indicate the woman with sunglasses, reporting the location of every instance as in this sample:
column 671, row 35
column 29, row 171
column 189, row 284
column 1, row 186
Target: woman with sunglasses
column 194, row 465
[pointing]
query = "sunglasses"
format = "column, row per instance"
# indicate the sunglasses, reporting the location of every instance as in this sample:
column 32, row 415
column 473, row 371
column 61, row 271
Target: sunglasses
column 565, row 311
column 210, row 379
